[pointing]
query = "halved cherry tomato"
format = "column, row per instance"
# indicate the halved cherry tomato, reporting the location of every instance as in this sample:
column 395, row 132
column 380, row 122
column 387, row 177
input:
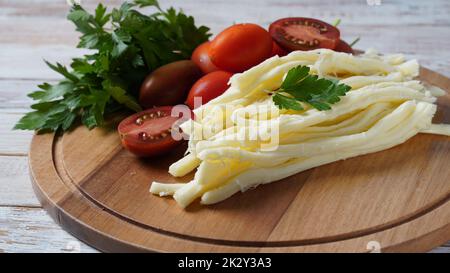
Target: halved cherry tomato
column 147, row 133
column 298, row 33
column 201, row 58
column 277, row 50
column 240, row 47
column 209, row 87
column 342, row 46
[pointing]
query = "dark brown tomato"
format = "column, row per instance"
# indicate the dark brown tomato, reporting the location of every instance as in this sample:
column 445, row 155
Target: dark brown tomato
column 169, row 84
column 148, row 133
column 299, row 33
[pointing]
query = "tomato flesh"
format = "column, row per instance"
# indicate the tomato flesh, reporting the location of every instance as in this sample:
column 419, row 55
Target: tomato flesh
column 147, row 133
column 299, row 33
column 201, row 58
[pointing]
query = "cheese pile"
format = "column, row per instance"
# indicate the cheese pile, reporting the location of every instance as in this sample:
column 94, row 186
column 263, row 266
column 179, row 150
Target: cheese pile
column 384, row 108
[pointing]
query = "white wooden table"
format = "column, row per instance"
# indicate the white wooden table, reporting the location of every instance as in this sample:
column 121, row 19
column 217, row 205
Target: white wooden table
column 33, row 30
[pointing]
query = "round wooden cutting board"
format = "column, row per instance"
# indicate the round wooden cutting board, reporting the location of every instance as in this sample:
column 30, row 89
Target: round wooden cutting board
column 394, row 200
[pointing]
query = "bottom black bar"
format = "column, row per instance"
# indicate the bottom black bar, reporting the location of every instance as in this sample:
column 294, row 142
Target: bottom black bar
column 208, row 262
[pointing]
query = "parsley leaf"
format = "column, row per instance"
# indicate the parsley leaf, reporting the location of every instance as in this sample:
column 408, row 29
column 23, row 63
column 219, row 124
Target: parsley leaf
column 127, row 45
column 285, row 102
column 299, row 86
column 146, row 3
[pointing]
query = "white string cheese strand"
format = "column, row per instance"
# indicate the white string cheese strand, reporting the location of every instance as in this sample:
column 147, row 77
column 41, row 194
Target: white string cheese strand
column 384, row 108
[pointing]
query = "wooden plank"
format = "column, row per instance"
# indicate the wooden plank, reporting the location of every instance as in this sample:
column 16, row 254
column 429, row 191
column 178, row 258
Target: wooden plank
column 13, row 94
column 30, row 57
column 30, row 60
column 421, row 25
column 442, row 249
column 12, row 142
column 32, row 230
column 15, row 185
column 228, row 11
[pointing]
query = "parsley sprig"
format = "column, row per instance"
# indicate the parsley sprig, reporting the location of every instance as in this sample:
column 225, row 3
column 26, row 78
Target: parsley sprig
column 127, row 45
column 301, row 87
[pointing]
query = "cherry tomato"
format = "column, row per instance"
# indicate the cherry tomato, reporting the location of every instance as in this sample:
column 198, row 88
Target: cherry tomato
column 240, row 47
column 342, row 46
column 147, row 133
column 209, row 87
column 201, row 58
column 277, row 50
column 298, row 33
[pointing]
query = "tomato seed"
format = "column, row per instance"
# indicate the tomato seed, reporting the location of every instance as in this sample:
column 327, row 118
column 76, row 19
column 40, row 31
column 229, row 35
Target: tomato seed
column 139, row 121
column 143, row 136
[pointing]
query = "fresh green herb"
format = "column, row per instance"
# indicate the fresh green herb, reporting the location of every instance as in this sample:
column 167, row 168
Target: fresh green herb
column 300, row 86
column 127, row 45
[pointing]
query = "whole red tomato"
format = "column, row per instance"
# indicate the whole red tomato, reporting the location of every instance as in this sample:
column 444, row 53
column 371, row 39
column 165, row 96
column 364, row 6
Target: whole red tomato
column 201, row 58
column 209, row 87
column 240, row 47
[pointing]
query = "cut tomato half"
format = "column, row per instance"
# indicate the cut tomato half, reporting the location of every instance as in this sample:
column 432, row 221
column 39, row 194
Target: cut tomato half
column 299, row 33
column 148, row 133
column 342, row 46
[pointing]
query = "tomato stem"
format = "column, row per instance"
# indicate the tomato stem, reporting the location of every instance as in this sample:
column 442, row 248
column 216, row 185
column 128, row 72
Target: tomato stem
column 337, row 22
column 355, row 41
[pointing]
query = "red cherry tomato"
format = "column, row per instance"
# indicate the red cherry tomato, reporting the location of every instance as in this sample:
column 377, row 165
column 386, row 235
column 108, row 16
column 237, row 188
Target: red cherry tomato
column 342, row 46
column 298, row 33
column 209, row 87
column 240, row 47
column 277, row 50
column 147, row 133
column 201, row 58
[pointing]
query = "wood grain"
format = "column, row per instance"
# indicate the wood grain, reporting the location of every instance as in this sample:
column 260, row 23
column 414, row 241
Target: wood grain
column 15, row 185
column 13, row 95
column 336, row 206
column 13, row 142
column 36, row 29
column 25, row 229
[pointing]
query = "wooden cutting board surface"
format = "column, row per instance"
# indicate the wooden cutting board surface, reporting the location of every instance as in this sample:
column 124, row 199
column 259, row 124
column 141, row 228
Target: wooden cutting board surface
column 394, row 200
